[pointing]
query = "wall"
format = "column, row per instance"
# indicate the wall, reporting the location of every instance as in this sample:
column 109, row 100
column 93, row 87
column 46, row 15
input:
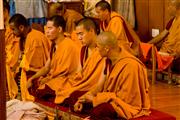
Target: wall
column 150, row 14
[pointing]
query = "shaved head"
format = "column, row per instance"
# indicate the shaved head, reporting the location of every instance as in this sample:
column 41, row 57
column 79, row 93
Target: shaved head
column 107, row 39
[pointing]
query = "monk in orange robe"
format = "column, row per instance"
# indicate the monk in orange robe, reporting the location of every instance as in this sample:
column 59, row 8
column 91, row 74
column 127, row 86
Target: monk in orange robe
column 92, row 63
column 125, row 91
column 70, row 16
column 12, row 54
column 62, row 64
column 35, row 47
column 169, row 40
column 112, row 21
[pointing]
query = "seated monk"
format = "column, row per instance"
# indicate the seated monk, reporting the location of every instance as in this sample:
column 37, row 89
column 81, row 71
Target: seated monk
column 112, row 21
column 70, row 16
column 62, row 64
column 12, row 54
column 35, row 47
column 169, row 51
column 92, row 63
column 125, row 91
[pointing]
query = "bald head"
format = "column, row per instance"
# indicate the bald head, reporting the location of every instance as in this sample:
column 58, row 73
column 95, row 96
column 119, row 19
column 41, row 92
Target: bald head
column 107, row 39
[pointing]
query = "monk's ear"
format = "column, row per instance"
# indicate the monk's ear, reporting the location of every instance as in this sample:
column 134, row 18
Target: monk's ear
column 21, row 27
column 60, row 29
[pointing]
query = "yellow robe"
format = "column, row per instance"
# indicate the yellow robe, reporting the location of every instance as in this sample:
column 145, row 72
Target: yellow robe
column 12, row 55
column 85, row 80
column 172, row 43
column 36, row 53
column 71, row 17
column 64, row 64
column 126, row 88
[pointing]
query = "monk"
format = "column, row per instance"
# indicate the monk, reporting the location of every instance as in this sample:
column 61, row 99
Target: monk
column 12, row 54
column 92, row 63
column 35, row 50
column 169, row 40
column 70, row 16
column 62, row 64
column 125, row 91
column 112, row 21
column 172, row 42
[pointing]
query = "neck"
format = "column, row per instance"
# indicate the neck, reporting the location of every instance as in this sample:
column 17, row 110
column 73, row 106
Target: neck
column 59, row 39
column 27, row 30
column 108, row 18
column 114, row 55
column 93, row 43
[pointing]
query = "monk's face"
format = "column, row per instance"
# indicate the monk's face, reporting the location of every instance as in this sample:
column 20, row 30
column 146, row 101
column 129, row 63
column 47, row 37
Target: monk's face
column 101, row 14
column 83, row 35
column 172, row 8
column 51, row 31
column 17, row 31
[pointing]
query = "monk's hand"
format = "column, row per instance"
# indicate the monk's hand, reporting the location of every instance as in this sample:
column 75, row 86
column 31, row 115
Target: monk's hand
column 29, row 83
column 88, row 98
column 78, row 106
column 43, row 81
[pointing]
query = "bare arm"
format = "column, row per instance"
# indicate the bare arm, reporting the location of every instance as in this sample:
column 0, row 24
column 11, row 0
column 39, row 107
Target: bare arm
column 41, row 72
column 160, row 37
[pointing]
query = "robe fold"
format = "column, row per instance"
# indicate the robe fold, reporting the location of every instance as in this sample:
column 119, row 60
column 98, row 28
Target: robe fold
column 127, row 90
column 87, row 79
column 36, row 53
column 12, row 56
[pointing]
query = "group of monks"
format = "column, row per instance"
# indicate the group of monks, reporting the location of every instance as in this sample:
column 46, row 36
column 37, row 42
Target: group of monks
column 74, row 65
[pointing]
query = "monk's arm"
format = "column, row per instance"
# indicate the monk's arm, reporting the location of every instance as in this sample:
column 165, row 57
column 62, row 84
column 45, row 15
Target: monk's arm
column 43, row 71
column 160, row 37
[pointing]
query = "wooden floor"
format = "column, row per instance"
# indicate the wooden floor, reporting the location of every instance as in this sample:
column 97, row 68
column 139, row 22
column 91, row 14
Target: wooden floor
column 166, row 98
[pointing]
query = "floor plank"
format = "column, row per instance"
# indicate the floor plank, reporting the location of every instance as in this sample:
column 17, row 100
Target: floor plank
column 166, row 98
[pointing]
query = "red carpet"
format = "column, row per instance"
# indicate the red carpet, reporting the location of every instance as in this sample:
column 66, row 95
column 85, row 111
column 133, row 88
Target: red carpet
column 155, row 114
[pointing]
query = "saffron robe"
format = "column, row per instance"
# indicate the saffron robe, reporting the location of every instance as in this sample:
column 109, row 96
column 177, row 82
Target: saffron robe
column 36, row 53
column 126, row 89
column 71, row 17
column 64, row 64
column 172, row 43
column 12, row 56
column 87, row 78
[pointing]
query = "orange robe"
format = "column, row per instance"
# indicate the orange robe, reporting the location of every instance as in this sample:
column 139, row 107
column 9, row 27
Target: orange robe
column 116, row 26
column 126, row 87
column 64, row 64
column 36, row 53
column 87, row 78
column 71, row 17
column 172, row 43
column 124, row 32
column 12, row 56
